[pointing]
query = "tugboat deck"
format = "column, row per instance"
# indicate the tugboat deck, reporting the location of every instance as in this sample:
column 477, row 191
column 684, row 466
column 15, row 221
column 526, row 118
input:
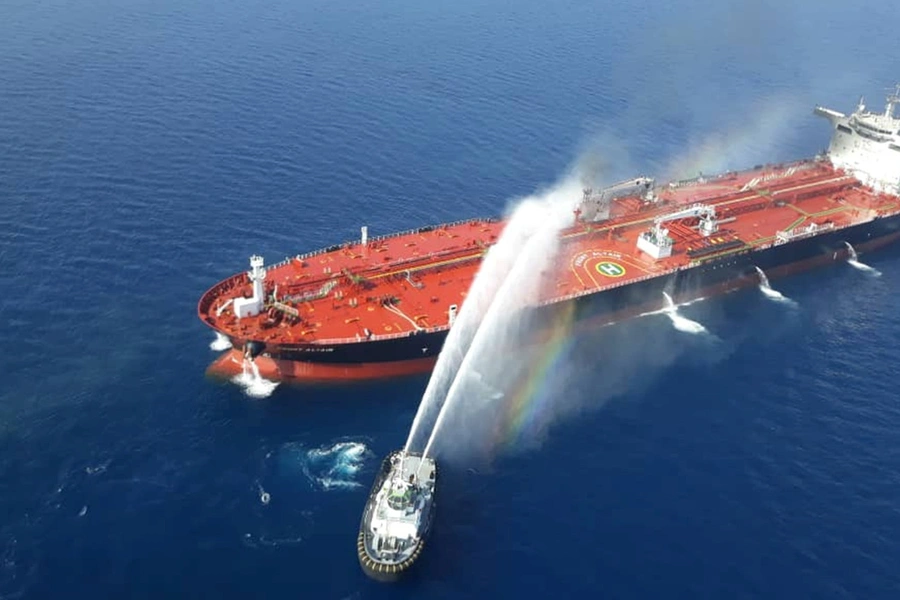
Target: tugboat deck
column 398, row 515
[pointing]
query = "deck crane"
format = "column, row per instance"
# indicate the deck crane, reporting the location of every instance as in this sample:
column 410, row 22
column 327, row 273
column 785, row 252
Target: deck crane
column 657, row 243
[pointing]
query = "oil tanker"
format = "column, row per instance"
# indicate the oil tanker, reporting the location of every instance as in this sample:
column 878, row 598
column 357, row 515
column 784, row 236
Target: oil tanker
column 382, row 306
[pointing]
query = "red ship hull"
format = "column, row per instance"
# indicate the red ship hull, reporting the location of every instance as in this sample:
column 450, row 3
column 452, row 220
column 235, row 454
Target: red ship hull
column 230, row 364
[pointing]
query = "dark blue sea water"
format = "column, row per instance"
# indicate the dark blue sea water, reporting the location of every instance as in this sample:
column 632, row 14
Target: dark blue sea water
column 148, row 148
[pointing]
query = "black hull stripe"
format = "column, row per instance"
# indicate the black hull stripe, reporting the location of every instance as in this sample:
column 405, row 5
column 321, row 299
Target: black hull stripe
column 678, row 284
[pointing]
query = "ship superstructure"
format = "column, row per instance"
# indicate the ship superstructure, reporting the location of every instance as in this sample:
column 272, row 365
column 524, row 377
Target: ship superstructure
column 867, row 144
column 382, row 306
column 398, row 515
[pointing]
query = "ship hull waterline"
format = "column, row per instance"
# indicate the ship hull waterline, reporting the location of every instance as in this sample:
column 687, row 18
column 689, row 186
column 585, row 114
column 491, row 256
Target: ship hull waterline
column 417, row 354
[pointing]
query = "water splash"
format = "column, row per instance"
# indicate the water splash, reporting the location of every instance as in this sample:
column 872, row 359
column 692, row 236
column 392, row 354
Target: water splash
column 220, row 343
column 253, row 383
column 500, row 324
column 682, row 323
column 660, row 311
column 769, row 292
column 335, row 466
column 854, row 262
column 528, row 216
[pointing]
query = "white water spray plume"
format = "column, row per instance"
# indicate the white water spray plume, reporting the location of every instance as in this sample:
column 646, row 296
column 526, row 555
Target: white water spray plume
column 220, row 343
column 679, row 321
column 853, row 260
column 865, row 268
column 530, row 215
column 496, row 364
column 770, row 292
column 253, row 383
column 507, row 399
column 500, row 327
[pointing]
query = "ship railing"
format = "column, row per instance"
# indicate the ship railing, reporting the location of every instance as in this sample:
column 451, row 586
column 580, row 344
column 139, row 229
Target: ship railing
column 378, row 337
column 796, row 165
column 822, row 228
column 414, row 264
column 428, row 228
column 214, row 293
column 793, row 166
column 782, row 237
column 819, row 229
column 579, row 293
column 612, row 286
column 423, row 229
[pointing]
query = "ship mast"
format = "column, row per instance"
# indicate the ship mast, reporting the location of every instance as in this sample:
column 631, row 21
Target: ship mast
column 892, row 100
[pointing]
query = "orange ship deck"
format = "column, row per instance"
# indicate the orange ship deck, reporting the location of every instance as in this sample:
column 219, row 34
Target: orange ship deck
column 607, row 256
column 345, row 287
column 341, row 294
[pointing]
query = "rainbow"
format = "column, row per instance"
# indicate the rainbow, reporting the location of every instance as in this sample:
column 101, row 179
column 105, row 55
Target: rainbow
column 528, row 409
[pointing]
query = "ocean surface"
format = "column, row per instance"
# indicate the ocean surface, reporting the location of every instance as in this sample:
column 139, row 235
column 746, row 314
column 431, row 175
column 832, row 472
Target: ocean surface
column 148, row 148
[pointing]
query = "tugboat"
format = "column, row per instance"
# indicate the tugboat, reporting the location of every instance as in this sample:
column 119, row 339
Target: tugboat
column 398, row 515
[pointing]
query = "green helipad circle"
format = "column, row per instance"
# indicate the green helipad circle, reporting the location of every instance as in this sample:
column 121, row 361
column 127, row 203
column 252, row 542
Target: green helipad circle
column 608, row 268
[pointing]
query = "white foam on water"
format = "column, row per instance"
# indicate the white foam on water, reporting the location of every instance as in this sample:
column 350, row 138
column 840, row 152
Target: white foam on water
column 854, row 262
column 682, row 323
column 770, row 292
column 865, row 268
column 220, row 343
column 253, row 383
column 335, row 466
